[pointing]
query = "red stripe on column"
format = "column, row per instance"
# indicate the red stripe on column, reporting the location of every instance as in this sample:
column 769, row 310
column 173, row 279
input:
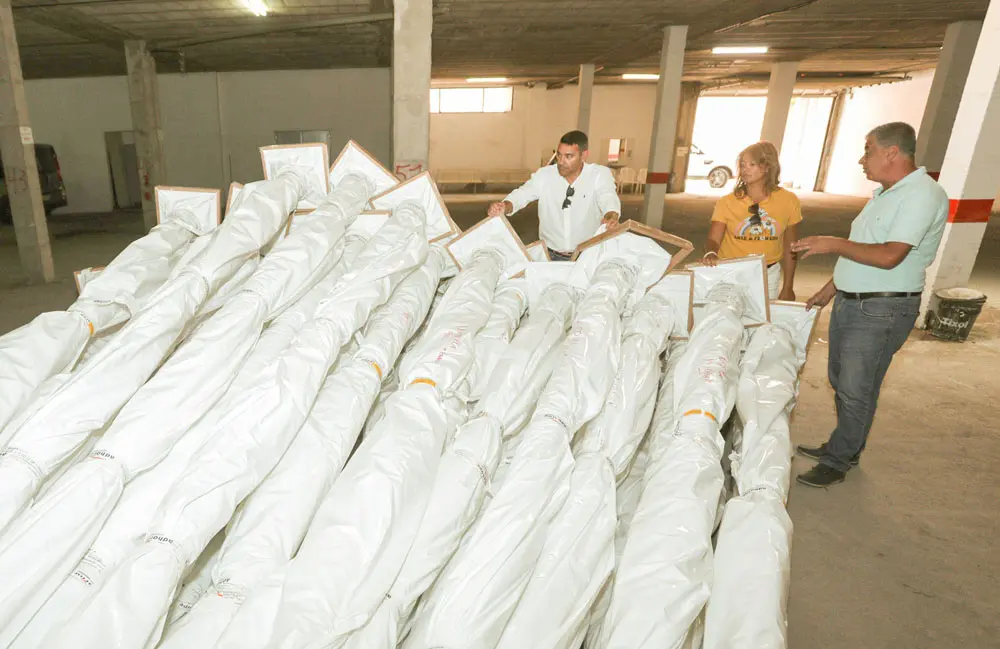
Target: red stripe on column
column 970, row 210
column 934, row 174
column 658, row 178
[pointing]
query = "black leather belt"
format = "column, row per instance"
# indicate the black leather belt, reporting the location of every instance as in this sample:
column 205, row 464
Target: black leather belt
column 868, row 296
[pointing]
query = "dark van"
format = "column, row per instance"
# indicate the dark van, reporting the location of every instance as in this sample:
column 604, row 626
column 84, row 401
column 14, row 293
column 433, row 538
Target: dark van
column 50, row 177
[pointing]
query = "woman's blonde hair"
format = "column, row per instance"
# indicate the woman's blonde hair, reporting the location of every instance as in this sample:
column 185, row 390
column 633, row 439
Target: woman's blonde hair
column 764, row 154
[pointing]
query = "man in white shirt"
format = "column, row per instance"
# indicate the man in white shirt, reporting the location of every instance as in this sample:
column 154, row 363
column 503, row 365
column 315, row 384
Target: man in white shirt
column 574, row 198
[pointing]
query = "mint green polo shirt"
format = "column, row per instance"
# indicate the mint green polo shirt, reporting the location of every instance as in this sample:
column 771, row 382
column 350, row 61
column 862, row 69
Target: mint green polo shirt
column 912, row 211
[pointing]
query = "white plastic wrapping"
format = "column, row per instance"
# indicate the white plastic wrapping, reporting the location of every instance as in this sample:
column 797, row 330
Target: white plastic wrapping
column 576, row 560
column 475, row 595
column 97, row 390
column 455, row 500
column 509, row 304
column 749, row 273
column 663, row 581
column 752, row 556
column 623, row 421
column 51, row 343
column 192, row 379
column 142, row 496
column 269, row 526
column 366, row 525
column 262, row 421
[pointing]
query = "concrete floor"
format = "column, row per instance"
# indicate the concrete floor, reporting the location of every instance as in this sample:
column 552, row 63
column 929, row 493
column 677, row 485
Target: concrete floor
column 900, row 555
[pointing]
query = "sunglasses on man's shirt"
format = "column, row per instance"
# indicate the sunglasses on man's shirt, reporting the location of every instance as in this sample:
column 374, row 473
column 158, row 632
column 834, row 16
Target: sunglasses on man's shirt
column 755, row 214
column 569, row 194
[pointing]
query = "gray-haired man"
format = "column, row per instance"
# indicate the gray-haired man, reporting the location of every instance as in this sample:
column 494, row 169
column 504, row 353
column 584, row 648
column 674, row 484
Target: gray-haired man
column 877, row 284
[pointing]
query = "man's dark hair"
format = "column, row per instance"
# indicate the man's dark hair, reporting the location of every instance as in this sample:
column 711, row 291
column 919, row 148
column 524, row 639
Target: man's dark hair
column 576, row 138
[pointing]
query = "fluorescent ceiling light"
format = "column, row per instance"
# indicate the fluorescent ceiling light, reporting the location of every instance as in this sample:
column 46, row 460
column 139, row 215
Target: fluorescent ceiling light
column 640, row 77
column 486, row 80
column 256, row 7
column 753, row 49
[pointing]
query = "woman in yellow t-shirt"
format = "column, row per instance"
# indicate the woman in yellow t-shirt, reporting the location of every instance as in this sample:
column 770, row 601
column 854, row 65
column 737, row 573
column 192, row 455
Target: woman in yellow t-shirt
column 758, row 218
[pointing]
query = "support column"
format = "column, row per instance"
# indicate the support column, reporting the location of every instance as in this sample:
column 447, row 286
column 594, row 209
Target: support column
column 411, row 83
column 20, row 167
column 946, row 93
column 690, row 91
column 668, row 98
column 832, row 129
column 586, row 96
column 971, row 170
column 144, row 100
column 779, row 99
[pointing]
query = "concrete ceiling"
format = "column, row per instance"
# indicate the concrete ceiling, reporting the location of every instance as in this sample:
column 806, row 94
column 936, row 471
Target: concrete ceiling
column 840, row 42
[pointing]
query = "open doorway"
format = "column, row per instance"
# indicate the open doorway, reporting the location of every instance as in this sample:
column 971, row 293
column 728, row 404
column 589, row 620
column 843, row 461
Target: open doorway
column 123, row 165
column 725, row 125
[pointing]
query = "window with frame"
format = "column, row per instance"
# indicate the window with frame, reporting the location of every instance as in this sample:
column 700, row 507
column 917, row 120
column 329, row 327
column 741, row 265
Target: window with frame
column 472, row 100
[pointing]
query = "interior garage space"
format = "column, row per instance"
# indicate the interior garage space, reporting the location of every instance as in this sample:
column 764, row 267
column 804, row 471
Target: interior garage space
column 318, row 394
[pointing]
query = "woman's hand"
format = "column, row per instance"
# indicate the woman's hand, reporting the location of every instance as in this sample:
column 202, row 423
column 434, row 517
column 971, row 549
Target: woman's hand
column 710, row 259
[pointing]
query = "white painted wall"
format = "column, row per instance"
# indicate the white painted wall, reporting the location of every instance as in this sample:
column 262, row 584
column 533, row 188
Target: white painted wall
column 864, row 110
column 212, row 123
column 526, row 136
column 73, row 115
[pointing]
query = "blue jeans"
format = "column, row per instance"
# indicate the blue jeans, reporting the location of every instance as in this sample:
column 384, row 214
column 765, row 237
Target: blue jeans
column 864, row 336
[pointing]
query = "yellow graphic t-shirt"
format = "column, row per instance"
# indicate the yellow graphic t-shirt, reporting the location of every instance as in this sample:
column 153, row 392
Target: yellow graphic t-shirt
column 745, row 235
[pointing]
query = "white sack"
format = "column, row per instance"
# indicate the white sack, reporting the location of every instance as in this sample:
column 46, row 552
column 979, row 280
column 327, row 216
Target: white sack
column 270, row 524
column 749, row 599
column 509, row 305
column 455, row 500
column 663, row 580
column 97, row 390
column 363, row 531
column 623, row 421
column 576, row 560
column 51, row 342
column 189, row 383
column 262, row 421
column 476, row 593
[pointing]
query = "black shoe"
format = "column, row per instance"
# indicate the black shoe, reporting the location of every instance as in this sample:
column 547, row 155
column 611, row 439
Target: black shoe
column 821, row 476
column 816, row 452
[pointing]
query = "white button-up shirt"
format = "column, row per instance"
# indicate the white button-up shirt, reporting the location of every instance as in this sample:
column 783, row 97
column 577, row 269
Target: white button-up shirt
column 562, row 230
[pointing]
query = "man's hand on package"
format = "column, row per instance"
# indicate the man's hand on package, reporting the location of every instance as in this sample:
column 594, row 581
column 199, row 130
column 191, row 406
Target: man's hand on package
column 500, row 208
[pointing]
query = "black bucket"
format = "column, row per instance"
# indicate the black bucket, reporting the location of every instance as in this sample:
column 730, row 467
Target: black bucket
column 955, row 314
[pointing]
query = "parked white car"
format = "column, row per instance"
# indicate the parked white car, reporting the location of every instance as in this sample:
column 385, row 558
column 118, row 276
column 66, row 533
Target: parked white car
column 703, row 165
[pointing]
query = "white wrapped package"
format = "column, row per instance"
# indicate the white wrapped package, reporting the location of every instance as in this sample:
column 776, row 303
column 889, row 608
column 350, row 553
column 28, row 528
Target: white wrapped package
column 52, row 342
column 750, row 273
column 576, row 560
column 623, row 421
column 749, row 599
column 262, row 421
column 648, row 256
column 509, row 305
column 363, row 531
column 269, row 526
column 354, row 156
column 97, row 390
column 142, row 496
column 475, row 595
column 197, row 581
column 192, row 380
column 456, row 498
column 630, row 489
column 662, row 583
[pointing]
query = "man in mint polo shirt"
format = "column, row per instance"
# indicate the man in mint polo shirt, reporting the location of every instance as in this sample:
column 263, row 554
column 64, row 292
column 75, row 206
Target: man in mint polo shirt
column 876, row 289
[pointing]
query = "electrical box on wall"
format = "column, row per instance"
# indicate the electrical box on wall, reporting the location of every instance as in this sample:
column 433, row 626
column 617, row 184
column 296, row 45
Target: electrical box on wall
column 619, row 151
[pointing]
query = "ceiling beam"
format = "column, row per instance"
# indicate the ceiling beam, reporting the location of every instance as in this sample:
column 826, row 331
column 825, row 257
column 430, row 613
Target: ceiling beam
column 78, row 24
column 300, row 27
